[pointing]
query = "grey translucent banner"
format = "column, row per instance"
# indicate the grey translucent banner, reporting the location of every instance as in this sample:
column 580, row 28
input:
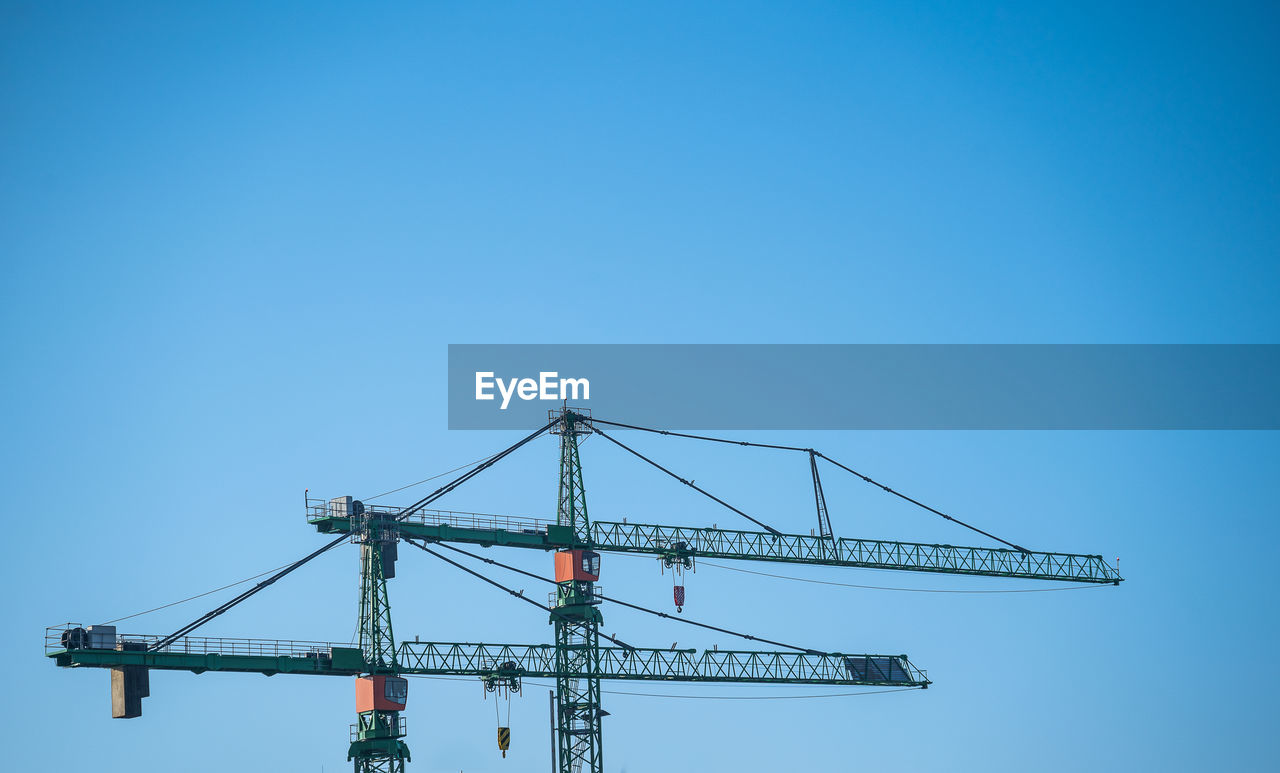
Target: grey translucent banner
column 870, row 386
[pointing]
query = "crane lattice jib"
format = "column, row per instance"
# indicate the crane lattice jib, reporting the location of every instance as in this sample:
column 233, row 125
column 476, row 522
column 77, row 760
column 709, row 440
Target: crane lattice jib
column 672, row 665
column 853, row 552
column 271, row 656
column 704, row 542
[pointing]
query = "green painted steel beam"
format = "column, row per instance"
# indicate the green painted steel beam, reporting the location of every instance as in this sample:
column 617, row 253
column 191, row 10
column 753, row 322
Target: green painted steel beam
column 200, row 662
column 700, row 542
column 529, row 660
column 849, row 552
column 664, row 665
column 544, row 537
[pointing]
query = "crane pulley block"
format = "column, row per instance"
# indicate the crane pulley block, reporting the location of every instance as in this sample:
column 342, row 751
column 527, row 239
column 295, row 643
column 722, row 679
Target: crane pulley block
column 503, row 679
column 677, row 556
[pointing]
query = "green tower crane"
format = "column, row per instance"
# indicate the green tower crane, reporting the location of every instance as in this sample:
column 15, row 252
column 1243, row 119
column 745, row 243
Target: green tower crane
column 575, row 661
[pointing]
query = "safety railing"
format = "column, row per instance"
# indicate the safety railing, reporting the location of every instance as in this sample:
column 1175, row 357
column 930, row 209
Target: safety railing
column 320, row 509
column 76, row 636
column 382, row 729
column 586, row 594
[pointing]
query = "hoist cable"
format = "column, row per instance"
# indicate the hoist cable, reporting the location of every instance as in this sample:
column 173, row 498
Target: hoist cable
column 761, row 697
column 193, row 598
column 425, row 676
column 688, row 483
column 486, row 464
column 206, row 617
column 873, row 482
column 918, row 503
column 517, row 594
column 883, row 587
column 425, row 480
column 699, row 437
column 806, row 650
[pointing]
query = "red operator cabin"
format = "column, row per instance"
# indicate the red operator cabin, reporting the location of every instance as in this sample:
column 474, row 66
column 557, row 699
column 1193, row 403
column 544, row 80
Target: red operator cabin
column 581, row 565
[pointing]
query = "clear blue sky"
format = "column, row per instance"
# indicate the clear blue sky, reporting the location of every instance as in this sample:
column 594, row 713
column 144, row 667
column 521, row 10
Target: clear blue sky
column 237, row 239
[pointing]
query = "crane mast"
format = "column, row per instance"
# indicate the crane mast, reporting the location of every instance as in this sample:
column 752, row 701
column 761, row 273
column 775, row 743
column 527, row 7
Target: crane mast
column 376, row 745
column 578, row 618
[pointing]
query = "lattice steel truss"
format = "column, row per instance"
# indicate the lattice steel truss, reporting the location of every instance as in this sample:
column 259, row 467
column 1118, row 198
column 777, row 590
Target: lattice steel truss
column 578, row 713
column 376, row 747
column 716, row 543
